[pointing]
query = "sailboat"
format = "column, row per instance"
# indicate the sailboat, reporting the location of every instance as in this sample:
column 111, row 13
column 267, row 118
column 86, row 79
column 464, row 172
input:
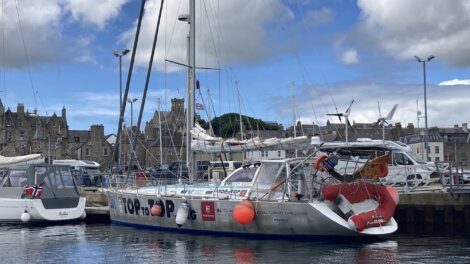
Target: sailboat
column 295, row 197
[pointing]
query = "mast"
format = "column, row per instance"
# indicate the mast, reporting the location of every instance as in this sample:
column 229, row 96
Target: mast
column 240, row 117
column 160, row 130
column 190, row 161
column 240, row 112
column 291, row 86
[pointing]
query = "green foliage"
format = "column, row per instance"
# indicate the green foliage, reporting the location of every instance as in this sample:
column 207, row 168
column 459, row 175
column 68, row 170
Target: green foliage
column 228, row 124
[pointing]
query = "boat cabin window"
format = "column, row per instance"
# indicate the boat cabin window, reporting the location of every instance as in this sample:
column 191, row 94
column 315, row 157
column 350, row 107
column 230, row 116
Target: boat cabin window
column 402, row 159
column 268, row 175
column 242, row 176
column 55, row 177
column 15, row 178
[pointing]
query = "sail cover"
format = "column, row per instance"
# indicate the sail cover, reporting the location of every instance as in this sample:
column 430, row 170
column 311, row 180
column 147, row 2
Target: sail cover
column 19, row 160
column 203, row 142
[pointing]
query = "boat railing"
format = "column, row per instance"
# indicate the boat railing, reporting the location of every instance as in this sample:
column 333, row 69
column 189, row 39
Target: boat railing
column 452, row 176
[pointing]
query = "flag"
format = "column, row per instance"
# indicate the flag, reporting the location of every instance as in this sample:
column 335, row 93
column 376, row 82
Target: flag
column 34, row 191
column 199, row 106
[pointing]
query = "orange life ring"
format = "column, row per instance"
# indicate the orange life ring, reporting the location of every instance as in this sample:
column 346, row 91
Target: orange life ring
column 319, row 162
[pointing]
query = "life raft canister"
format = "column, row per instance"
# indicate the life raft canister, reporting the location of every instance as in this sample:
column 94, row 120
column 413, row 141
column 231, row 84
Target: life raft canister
column 182, row 213
column 358, row 192
column 244, row 212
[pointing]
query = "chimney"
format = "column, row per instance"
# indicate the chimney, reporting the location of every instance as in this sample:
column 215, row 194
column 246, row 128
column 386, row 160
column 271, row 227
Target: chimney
column 64, row 114
column 410, row 126
column 20, row 109
column 456, row 126
column 465, row 125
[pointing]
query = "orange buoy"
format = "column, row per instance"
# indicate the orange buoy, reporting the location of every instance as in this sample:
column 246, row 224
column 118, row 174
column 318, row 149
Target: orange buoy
column 244, row 212
column 156, row 210
column 319, row 162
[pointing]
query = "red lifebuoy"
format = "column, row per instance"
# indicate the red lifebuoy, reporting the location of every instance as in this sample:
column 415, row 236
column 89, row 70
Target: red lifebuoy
column 382, row 170
column 319, row 162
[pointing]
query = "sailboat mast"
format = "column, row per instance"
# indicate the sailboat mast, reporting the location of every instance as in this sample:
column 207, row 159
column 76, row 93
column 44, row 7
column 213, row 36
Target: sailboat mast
column 190, row 161
column 160, row 130
column 291, row 86
column 240, row 112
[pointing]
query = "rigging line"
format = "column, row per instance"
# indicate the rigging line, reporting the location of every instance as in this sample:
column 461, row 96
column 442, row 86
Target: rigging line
column 173, row 29
column 170, row 134
column 3, row 60
column 210, row 29
column 26, row 55
column 166, row 54
column 309, row 95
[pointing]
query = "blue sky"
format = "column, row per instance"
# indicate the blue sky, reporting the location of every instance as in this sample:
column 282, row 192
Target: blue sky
column 333, row 51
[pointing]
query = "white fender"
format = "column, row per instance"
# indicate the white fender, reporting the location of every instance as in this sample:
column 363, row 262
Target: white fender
column 25, row 217
column 182, row 213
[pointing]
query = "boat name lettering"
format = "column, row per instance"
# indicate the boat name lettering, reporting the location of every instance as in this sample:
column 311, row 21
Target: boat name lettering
column 262, row 212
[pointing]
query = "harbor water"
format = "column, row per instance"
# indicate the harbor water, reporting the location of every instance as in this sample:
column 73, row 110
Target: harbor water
column 103, row 243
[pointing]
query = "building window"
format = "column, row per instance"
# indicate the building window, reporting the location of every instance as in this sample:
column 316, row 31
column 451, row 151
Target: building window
column 278, row 153
column 437, row 159
column 9, row 136
column 87, row 152
column 105, row 151
column 436, row 149
column 38, row 146
column 21, row 135
column 20, row 122
column 8, row 122
column 76, row 139
column 417, row 150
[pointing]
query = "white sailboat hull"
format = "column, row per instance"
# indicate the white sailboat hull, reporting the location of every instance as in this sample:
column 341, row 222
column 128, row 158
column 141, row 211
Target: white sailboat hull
column 288, row 218
column 11, row 210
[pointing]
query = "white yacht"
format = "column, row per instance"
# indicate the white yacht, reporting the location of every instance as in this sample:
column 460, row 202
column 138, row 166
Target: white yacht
column 39, row 193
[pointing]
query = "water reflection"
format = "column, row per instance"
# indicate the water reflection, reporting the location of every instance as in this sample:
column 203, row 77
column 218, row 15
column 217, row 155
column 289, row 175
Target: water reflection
column 81, row 243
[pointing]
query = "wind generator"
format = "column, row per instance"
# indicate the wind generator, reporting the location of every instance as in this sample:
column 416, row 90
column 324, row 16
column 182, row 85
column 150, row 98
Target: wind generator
column 383, row 120
column 346, row 117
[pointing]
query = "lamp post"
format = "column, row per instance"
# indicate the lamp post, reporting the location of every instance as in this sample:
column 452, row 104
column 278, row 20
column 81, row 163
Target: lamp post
column 132, row 101
column 426, row 147
column 119, row 55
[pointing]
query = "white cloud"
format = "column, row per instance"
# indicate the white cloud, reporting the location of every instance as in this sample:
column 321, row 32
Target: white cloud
column 94, row 12
column 455, row 82
column 319, row 17
column 404, row 28
column 442, row 104
column 42, row 26
column 243, row 36
column 349, row 57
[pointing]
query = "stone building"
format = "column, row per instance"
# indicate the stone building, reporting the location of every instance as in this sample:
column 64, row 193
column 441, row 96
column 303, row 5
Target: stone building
column 90, row 145
column 23, row 132
column 173, row 126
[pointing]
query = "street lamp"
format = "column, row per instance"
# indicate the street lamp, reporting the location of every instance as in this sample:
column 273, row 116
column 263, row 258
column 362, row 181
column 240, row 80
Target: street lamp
column 132, row 101
column 119, row 55
column 426, row 146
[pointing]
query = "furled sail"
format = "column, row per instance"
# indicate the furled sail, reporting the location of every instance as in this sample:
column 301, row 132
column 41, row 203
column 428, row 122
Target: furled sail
column 203, row 142
column 19, row 160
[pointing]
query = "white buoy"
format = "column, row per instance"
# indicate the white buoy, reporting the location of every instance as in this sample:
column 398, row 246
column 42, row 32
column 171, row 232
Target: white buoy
column 83, row 216
column 182, row 213
column 352, row 225
column 25, row 217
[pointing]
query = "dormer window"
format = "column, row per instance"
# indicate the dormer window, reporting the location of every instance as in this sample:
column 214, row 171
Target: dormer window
column 20, row 122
